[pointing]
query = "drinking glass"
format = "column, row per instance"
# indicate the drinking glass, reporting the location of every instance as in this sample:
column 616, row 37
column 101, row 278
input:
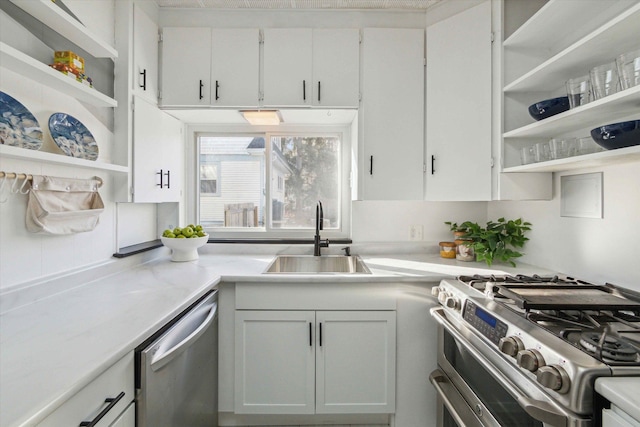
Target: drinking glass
column 528, row 155
column 561, row 148
column 604, row 80
column 628, row 65
column 587, row 145
column 543, row 151
column 578, row 91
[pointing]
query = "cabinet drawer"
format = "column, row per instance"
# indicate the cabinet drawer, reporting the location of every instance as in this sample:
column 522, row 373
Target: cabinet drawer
column 315, row 296
column 89, row 402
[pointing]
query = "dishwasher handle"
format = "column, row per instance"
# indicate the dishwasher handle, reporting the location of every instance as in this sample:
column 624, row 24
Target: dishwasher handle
column 165, row 355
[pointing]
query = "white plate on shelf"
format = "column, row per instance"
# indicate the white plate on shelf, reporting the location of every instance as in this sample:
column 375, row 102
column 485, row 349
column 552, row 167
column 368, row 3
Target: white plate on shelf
column 18, row 127
column 72, row 136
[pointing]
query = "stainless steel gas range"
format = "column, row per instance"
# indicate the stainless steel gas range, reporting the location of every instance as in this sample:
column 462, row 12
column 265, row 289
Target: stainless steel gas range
column 526, row 350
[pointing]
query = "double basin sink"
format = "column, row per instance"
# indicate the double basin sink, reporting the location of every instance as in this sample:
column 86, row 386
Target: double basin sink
column 325, row 264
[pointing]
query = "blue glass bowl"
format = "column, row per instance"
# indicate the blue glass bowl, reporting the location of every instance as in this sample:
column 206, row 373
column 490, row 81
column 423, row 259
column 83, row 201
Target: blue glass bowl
column 617, row 135
column 549, row 107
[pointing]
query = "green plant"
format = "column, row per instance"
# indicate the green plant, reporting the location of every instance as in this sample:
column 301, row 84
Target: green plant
column 453, row 226
column 495, row 241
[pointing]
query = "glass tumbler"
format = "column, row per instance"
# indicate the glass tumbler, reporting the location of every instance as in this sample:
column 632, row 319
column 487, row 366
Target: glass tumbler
column 528, row 155
column 578, row 91
column 604, row 80
column 628, row 65
column 543, row 151
column 561, row 148
column 587, row 145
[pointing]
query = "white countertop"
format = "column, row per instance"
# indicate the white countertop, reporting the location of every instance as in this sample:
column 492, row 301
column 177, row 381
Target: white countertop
column 624, row 392
column 52, row 345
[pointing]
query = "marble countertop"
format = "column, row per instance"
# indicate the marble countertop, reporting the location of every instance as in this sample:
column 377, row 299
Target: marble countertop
column 58, row 336
column 624, row 392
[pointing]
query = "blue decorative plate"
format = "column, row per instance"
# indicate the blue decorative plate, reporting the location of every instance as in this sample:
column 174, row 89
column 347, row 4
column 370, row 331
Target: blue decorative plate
column 73, row 137
column 18, row 127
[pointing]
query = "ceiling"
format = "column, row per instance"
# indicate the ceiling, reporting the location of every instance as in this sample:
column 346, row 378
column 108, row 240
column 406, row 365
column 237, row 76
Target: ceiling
column 415, row 5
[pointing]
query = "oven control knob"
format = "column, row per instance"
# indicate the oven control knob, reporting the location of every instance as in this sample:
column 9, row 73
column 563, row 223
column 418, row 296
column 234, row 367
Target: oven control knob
column 531, row 360
column 452, row 302
column 435, row 291
column 510, row 345
column 553, row 377
column 442, row 297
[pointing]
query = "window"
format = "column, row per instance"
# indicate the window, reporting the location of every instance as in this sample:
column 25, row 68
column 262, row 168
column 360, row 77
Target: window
column 268, row 184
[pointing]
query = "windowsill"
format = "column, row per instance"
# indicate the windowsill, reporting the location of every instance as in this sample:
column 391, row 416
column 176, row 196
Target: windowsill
column 275, row 241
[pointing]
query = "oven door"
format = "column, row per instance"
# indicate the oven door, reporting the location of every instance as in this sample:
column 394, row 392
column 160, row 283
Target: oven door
column 495, row 391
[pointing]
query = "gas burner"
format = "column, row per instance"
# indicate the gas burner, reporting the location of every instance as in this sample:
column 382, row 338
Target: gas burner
column 611, row 348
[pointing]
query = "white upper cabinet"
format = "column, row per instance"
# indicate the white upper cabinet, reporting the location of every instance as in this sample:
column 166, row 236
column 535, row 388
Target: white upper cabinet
column 459, row 106
column 287, row 66
column 145, row 55
column 158, row 171
column 235, row 67
column 186, row 67
column 301, row 67
column 392, row 115
column 336, row 68
column 210, row 67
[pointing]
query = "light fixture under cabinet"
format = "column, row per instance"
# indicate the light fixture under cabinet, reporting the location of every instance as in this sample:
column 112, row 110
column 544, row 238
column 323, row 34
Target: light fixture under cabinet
column 262, row 117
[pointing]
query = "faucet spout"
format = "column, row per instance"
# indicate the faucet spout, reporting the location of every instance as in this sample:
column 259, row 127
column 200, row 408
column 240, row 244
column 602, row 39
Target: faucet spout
column 317, row 243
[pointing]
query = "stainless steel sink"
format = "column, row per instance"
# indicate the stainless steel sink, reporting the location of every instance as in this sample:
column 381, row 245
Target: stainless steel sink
column 325, row 264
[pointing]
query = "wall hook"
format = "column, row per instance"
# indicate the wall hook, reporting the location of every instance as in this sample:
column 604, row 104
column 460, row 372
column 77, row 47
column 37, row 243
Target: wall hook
column 4, row 180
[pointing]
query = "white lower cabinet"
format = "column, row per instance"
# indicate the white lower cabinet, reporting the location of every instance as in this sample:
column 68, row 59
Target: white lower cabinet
column 102, row 402
column 322, row 362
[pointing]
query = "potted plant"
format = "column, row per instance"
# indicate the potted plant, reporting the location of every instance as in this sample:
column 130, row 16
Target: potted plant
column 496, row 241
column 459, row 230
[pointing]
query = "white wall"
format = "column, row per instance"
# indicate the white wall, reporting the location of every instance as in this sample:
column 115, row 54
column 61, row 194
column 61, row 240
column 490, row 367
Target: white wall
column 598, row 250
column 389, row 221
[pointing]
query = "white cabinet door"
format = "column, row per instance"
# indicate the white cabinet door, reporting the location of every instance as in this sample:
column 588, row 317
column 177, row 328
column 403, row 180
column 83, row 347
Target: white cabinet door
column 336, row 67
column 392, row 112
column 186, row 66
column 157, row 154
column 287, row 67
column 459, row 106
column 145, row 55
column 127, row 418
column 356, row 362
column 235, row 67
column 275, row 362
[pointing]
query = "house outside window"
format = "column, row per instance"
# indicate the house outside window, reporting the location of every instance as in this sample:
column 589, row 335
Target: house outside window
column 267, row 185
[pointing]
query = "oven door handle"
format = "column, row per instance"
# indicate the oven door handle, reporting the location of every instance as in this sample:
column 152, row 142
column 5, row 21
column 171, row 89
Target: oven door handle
column 540, row 410
column 458, row 408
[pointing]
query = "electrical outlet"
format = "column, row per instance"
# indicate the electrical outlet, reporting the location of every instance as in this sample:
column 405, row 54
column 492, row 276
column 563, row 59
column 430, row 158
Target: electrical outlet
column 415, row 232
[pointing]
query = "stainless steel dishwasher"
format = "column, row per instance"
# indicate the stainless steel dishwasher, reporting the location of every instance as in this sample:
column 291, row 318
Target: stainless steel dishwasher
column 177, row 370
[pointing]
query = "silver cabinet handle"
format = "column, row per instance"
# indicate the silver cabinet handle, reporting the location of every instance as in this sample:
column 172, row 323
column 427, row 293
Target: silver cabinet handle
column 165, row 355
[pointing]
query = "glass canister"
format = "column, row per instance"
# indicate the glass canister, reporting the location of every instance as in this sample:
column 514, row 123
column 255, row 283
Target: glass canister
column 448, row 250
column 464, row 251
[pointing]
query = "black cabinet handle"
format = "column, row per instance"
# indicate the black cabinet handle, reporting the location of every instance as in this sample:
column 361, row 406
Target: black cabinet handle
column 217, row 87
column 310, row 334
column 371, row 166
column 144, row 79
column 201, row 86
column 304, row 90
column 320, row 335
column 433, row 164
column 161, row 173
column 112, row 401
column 318, row 90
column 168, row 179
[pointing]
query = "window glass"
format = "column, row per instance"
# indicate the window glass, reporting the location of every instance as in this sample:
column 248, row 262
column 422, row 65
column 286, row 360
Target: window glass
column 270, row 183
column 233, row 170
column 308, row 169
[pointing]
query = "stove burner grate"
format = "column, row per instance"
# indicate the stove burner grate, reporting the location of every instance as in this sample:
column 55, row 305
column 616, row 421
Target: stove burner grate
column 611, row 348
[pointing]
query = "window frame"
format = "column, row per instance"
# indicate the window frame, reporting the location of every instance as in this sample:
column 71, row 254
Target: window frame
column 346, row 173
